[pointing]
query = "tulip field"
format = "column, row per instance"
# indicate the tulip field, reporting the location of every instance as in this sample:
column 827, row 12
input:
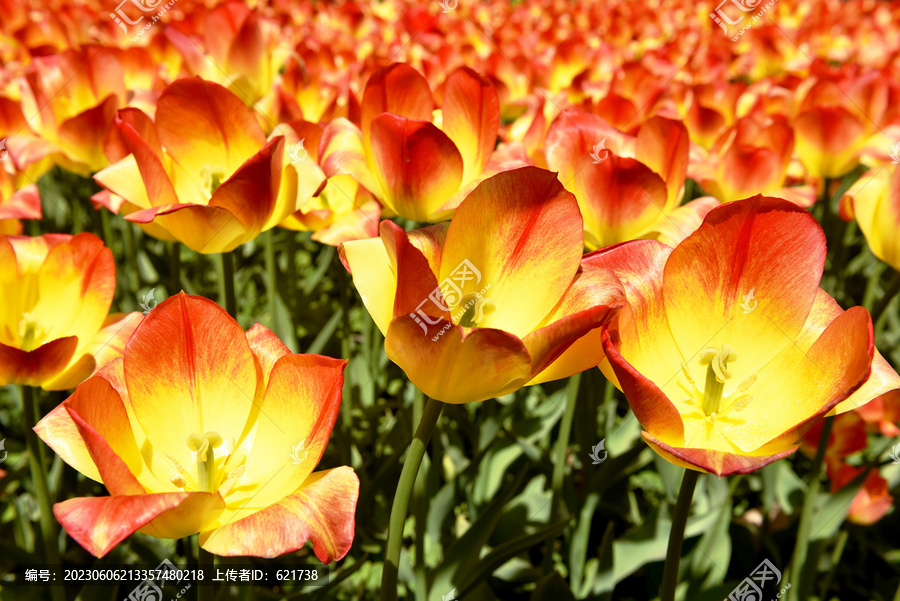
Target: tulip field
column 449, row 300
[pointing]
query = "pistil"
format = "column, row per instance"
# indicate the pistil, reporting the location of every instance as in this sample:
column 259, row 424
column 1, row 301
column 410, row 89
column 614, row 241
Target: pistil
column 475, row 307
column 206, row 458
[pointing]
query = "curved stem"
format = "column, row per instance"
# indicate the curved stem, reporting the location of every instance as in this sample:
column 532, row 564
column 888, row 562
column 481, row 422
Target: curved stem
column 806, row 516
column 401, row 498
column 226, row 283
column 676, row 536
column 37, row 465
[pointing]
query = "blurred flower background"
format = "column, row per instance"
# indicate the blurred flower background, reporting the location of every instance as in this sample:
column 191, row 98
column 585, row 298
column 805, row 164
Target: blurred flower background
column 466, row 207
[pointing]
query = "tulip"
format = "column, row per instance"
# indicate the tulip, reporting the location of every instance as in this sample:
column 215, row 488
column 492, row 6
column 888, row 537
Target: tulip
column 55, row 326
column 336, row 209
column 848, row 436
column 838, row 114
column 202, row 173
column 418, row 165
column 874, row 201
column 73, row 97
column 24, row 203
column 873, row 500
column 729, row 324
column 752, row 157
column 627, row 187
column 200, row 427
column 239, row 48
column 487, row 304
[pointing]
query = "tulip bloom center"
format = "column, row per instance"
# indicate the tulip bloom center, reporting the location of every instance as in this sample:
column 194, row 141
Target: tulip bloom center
column 212, row 178
column 475, row 306
column 31, row 334
column 716, row 362
column 206, row 458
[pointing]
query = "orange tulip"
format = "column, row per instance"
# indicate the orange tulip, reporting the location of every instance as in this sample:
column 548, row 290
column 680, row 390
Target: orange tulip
column 750, row 158
column 203, row 173
column 203, row 428
column 489, row 303
column 837, row 115
column 417, row 165
column 730, row 324
column 239, row 49
column 873, row 500
column 848, row 436
column 54, row 323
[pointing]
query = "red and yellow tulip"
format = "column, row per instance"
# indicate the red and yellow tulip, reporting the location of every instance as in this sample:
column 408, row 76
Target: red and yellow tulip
column 203, row 428
column 55, row 326
column 419, row 163
column 489, row 303
column 627, row 187
column 202, row 172
column 728, row 350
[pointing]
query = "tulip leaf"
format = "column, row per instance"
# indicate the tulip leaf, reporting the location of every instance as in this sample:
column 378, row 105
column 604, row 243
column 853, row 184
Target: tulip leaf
column 833, row 509
column 500, row 554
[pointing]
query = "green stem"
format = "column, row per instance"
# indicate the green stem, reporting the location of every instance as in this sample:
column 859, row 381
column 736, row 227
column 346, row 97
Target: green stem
column 226, row 283
column 893, row 288
column 401, row 498
column 206, row 561
column 37, row 464
column 420, row 510
column 559, row 463
column 134, row 276
column 676, row 536
column 836, row 554
column 806, row 516
column 174, row 267
column 291, row 251
column 272, row 282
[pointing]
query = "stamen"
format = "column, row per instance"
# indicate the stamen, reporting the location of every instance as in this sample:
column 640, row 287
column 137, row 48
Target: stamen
column 716, row 374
